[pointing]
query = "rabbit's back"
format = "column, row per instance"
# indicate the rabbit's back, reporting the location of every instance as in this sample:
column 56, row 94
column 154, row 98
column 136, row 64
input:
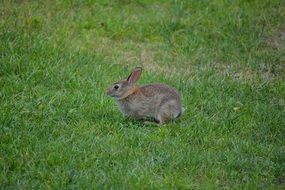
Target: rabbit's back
column 149, row 100
column 163, row 91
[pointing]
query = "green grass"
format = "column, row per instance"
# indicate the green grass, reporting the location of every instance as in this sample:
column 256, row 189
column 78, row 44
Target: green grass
column 58, row 130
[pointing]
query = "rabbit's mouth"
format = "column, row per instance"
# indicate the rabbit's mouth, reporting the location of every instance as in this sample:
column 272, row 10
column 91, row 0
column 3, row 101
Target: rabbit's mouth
column 110, row 93
column 116, row 96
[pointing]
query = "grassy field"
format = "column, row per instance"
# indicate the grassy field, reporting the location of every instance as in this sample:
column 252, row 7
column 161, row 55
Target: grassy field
column 58, row 129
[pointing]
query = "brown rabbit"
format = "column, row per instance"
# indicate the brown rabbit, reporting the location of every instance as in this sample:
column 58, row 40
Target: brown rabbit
column 157, row 101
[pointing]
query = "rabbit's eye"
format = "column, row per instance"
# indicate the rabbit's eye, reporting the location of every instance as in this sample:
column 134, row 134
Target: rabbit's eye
column 116, row 86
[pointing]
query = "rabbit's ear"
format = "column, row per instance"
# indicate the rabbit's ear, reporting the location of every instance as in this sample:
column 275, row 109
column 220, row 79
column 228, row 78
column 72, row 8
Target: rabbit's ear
column 135, row 75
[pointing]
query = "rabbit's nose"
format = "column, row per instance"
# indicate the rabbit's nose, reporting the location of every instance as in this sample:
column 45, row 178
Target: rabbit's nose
column 108, row 91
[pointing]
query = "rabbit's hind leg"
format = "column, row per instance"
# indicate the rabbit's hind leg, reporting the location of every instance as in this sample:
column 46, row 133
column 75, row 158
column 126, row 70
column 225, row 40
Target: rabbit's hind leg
column 164, row 116
column 168, row 111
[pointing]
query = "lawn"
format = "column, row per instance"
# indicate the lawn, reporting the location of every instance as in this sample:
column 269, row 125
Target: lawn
column 58, row 129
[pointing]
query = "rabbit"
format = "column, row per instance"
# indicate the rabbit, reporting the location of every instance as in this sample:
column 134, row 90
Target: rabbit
column 158, row 101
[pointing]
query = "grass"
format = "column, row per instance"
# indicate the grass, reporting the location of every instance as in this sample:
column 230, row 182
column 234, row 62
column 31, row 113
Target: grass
column 59, row 130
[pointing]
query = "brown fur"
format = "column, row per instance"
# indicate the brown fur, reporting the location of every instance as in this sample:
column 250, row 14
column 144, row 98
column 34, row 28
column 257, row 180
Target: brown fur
column 158, row 101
